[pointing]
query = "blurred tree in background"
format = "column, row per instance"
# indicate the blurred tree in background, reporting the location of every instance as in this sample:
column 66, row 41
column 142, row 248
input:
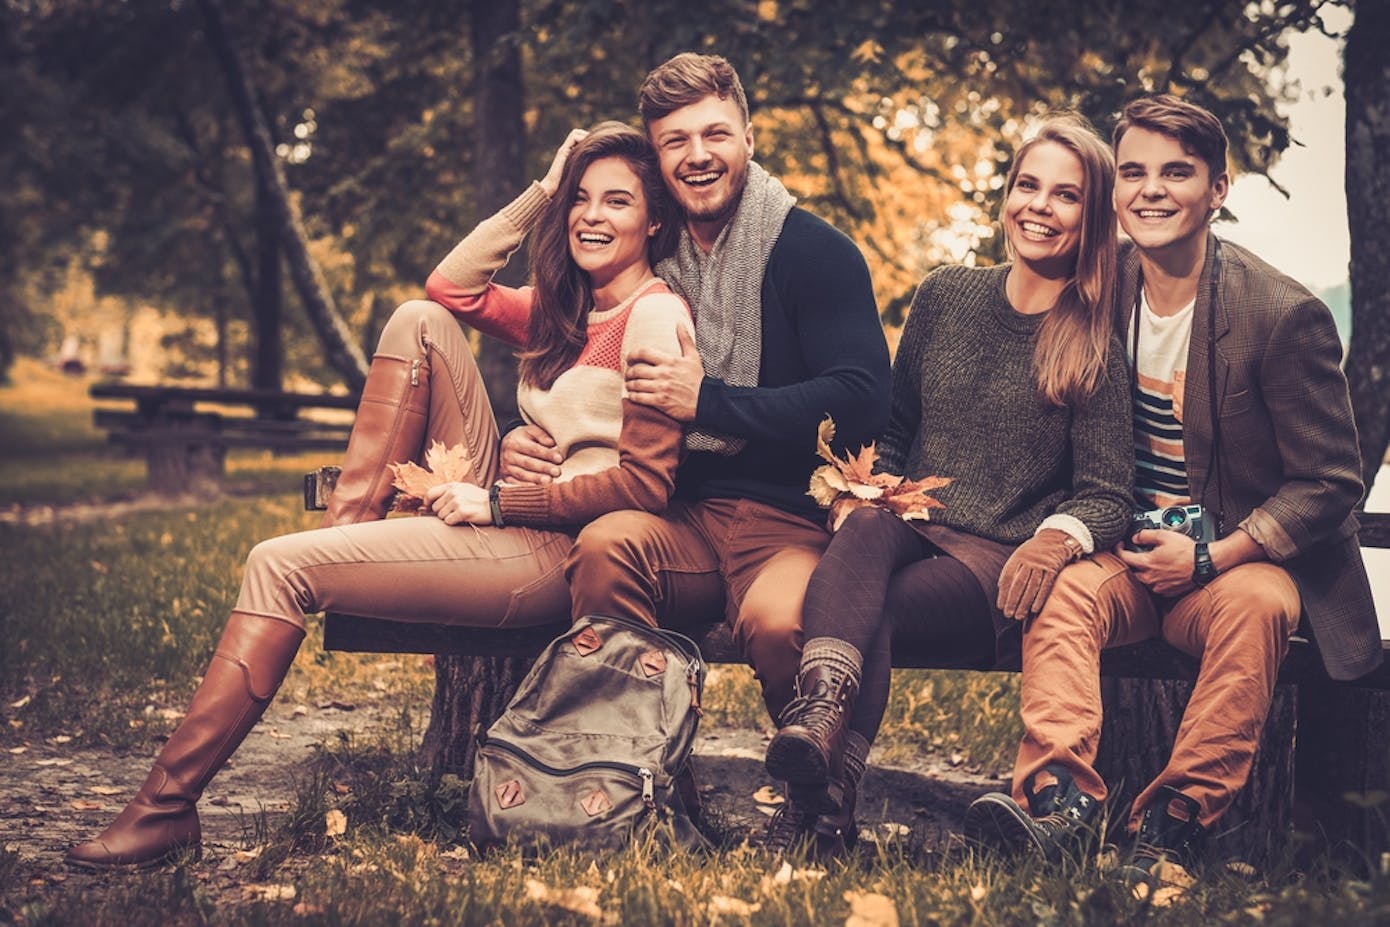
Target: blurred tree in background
column 396, row 126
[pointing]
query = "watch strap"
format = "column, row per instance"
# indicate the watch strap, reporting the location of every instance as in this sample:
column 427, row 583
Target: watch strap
column 1203, row 570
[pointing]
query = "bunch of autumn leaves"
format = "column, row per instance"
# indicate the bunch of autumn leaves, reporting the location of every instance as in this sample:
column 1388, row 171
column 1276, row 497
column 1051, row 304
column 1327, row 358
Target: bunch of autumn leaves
column 841, row 485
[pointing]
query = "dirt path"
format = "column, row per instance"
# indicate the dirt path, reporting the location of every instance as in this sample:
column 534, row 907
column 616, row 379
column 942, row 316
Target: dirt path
column 52, row 796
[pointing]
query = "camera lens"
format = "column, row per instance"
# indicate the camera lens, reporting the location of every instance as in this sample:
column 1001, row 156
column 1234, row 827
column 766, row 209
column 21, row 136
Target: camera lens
column 1173, row 517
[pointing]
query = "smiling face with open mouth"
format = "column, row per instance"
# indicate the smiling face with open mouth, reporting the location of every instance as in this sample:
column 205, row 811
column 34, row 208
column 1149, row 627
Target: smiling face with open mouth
column 609, row 224
column 1164, row 195
column 704, row 150
column 1044, row 209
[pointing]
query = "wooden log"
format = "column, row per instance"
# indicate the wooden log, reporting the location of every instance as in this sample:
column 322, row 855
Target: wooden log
column 1142, row 719
column 1343, row 770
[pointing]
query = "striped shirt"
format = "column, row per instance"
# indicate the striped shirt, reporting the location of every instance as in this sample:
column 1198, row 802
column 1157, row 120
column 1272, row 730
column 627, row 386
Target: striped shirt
column 1161, row 343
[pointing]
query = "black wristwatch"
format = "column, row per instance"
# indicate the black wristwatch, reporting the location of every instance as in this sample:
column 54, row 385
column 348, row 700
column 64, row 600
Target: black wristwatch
column 1203, row 570
column 494, row 501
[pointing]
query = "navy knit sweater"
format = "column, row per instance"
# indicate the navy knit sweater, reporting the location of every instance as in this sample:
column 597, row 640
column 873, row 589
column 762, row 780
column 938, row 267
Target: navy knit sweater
column 823, row 353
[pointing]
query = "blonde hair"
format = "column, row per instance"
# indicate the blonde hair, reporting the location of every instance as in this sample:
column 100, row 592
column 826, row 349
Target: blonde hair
column 1070, row 354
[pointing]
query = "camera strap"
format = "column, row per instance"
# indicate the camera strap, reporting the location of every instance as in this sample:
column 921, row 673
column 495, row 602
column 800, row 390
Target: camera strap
column 1214, row 454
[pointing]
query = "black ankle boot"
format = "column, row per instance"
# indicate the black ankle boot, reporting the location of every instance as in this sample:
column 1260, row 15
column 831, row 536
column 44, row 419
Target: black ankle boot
column 1166, row 841
column 791, row 829
column 1064, row 822
column 808, row 750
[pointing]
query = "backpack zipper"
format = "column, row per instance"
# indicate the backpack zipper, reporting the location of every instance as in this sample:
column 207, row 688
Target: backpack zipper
column 632, row 769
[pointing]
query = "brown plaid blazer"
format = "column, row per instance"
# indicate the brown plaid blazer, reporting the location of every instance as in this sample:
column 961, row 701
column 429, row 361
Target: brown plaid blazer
column 1289, row 465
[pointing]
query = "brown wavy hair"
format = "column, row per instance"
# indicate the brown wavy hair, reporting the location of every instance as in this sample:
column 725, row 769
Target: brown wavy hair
column 1197, row 130
column 1070, row 354
column 688, row 78
column 563, row 293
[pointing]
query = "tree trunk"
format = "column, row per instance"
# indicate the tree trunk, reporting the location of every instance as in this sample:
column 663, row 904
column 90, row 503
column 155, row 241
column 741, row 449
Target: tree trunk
column 343, row 353
column 471, row 692
column 499, row 161
column 267, row 361
column 1141, row 723
column 1366, row 74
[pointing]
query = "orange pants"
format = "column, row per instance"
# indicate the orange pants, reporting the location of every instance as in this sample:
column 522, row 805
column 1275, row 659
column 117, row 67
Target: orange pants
column 1238, row 626
column 748, row 559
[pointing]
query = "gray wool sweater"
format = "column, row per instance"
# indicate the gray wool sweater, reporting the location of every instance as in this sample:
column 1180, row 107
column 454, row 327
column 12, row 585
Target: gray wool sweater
column 965, row 405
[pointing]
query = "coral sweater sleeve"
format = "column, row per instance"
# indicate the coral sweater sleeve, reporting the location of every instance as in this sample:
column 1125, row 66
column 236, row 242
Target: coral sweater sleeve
column 462, row 283
column 649, row 443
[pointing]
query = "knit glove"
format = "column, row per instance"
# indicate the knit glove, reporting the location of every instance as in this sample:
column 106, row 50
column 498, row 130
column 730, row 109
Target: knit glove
column 1028, row 575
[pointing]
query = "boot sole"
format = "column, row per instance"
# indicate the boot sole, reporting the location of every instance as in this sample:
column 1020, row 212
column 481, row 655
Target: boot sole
column 996, row 824
column 192, row 853
column 797, row 762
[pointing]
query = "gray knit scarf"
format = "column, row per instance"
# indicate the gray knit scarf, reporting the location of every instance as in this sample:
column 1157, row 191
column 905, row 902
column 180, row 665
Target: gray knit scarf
column 724, row 290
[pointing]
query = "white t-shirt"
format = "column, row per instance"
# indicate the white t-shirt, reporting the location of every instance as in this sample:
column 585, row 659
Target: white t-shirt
column 1160, row 474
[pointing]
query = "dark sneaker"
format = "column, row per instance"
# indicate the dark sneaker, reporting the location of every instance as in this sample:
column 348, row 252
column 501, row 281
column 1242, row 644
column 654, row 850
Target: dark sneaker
column 1168, row 846
column 1067, row 826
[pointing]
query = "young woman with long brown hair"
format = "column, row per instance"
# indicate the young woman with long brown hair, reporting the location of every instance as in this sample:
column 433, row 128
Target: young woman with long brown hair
column 1008, row 381
column 492, row 555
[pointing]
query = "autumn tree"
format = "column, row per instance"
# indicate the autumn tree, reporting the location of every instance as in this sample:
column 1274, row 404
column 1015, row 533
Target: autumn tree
column 1366, row 75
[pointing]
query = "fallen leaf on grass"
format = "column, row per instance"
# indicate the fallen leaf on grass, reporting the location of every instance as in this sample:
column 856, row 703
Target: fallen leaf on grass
column 870, row 909
column 737, row 907
column 261, row 891
column 53, row 762
column 18, row 750
column 304, row 909
column 767, row 795
column 86, row 804
column 105, row 790
column 334, row 823
column 22, row 702
column 581, row 899
column 786, row 875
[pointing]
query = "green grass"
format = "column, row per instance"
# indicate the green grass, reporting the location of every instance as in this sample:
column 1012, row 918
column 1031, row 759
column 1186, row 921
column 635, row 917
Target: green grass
column 107, row 618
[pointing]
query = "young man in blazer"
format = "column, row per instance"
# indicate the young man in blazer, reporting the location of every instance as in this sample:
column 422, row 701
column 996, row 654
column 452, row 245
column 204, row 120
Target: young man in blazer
column 1240, row 408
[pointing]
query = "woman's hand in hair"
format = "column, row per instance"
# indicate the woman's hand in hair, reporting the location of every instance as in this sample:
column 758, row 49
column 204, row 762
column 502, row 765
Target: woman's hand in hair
column 460, row 503
column 551, row 181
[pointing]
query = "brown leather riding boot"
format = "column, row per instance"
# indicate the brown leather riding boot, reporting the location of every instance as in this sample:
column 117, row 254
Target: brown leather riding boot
column 390, row 428
column 808, row 750
column 161, row 821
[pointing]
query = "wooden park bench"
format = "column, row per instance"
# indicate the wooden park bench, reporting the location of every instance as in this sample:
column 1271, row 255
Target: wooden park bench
column 185, row 432
column 1325, row 741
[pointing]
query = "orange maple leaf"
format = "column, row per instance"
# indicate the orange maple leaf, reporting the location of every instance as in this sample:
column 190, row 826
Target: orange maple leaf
column 445, row 465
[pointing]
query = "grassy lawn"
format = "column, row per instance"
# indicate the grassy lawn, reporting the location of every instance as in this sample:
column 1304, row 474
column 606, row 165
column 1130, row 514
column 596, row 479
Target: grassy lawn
column 104, row 617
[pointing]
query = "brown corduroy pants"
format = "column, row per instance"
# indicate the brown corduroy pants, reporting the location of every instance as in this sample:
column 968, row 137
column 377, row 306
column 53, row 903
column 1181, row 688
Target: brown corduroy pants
column 749, row 560
column 1238, row 626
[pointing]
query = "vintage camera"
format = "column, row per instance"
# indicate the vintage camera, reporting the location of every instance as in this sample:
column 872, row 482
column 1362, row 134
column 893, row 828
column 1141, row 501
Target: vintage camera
column 1190, row 520
column 318, row 486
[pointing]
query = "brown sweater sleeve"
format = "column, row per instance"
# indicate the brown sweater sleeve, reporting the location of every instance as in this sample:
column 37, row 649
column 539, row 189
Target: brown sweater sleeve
column 648, row 450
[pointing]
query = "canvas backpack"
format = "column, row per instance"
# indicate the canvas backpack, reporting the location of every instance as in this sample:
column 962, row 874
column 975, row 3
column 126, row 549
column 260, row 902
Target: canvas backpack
column 589, row 747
